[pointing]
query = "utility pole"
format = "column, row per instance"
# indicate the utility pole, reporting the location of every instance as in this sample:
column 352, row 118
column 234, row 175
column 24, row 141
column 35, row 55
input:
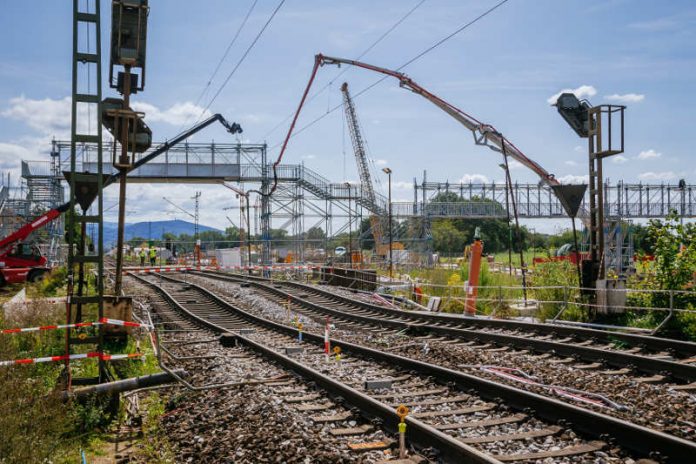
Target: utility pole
column 518, row 236
column 388, row 172
column 350, row 228
column 507, row 209
column 197, row 248
column 245, row 195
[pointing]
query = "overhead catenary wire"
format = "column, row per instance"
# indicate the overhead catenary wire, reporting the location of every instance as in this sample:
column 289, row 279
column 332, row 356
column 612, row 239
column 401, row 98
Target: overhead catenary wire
column 242, row 58
column 224, row 56
column 410, row 61
column 344, row 70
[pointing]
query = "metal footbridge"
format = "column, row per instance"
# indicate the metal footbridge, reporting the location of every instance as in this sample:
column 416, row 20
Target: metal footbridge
column 211, row 163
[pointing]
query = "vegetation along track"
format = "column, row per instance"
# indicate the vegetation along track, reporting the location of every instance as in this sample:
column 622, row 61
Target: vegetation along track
column 466, row 418
column 663, row 359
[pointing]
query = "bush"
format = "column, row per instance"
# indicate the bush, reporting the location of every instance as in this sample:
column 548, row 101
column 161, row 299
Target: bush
column 564, row 276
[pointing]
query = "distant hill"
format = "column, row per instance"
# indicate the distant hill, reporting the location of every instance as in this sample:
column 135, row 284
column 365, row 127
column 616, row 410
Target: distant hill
column 152, row 230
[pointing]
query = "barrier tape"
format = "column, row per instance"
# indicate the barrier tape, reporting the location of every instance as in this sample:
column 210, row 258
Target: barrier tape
column 92, row 354
column 61, row 299
column 147, row 270
column 102, row 321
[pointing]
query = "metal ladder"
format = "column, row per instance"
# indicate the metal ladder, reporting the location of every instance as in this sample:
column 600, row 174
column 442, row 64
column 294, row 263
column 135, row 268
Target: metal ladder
column 85, row 190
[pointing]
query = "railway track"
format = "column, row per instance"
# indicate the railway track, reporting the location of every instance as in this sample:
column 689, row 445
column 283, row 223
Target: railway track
column 663, row 360
column 343, row 435
column 468, row 419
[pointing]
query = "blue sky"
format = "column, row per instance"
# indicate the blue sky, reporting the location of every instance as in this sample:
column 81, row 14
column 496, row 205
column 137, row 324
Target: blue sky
column 501, row 70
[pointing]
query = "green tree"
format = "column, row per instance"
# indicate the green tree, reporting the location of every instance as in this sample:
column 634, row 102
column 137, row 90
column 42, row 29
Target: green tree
column 494, row 232
column 447, row 238
column 315, row 233
column 674, row 246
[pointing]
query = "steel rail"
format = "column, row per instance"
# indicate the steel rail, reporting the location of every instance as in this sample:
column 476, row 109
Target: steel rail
column 418, row 432
column 617, row 358
column 637, row 438
column 684, row 348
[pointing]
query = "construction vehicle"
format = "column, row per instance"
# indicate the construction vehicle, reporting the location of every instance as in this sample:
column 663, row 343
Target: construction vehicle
column 564, row 253
column 20, row 262
column 381, row 248
column 17, row 264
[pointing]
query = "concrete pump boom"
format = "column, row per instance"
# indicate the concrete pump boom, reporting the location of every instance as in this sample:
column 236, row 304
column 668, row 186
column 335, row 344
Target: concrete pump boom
column 484, row 134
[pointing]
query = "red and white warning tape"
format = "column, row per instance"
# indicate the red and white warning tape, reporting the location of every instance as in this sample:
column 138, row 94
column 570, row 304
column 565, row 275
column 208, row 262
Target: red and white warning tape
column 58, row 300
column 148, row 270
column 102, row 321
column 93, row 354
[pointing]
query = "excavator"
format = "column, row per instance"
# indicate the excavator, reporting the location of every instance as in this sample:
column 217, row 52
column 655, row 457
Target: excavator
column 22, row 262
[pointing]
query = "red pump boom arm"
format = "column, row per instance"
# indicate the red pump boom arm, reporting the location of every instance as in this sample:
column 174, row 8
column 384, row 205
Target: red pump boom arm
column 484, row 134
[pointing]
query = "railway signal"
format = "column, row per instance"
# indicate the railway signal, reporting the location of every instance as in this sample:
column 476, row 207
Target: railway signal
column 605, row 138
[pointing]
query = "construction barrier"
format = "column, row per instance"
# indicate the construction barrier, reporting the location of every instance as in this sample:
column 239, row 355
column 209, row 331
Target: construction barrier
column 280, row 267
column 102, row 321
column 93, row 354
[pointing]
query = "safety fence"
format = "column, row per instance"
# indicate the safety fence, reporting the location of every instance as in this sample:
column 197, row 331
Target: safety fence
column 648, row 309
column 158, row 269
column 69, row 357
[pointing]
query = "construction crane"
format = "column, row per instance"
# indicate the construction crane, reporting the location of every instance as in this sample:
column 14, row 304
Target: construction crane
column 484, row 134
column 381, row 249
column 18, row 265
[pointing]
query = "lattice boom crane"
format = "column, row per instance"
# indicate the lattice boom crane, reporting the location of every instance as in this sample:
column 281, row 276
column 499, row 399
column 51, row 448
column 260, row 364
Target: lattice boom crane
column 361, row 159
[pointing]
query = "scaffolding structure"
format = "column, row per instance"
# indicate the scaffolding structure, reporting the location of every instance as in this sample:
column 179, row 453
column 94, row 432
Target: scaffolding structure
column 305, row 199
column 44, row 192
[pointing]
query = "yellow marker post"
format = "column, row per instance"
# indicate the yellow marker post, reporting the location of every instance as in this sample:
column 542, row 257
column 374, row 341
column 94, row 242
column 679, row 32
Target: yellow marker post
column 337, row 352
column 402, row 412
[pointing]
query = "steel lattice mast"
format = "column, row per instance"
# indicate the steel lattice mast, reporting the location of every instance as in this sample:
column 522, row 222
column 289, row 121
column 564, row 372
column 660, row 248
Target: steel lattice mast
column 361, row 159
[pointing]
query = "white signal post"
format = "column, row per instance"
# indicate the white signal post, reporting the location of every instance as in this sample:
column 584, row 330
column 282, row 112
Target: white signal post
column 327, row 342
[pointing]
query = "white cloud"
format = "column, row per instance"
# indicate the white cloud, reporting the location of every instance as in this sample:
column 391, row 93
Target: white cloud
column 308, row 157
column 649, row 154
column 655, row 25
column 579, row 148
column 514, row 164
column 571, row 163
column 626, row 98
column 474, row 179
column 48, row 116
column 402, row 184
column 573, row 179
column 176, row 115
column 664, row 175
column 619, row 159
column 381, row 162
column 581, row 92
column 11, row 155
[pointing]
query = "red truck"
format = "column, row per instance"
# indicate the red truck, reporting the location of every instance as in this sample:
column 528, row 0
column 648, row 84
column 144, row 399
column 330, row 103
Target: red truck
column 20, row 262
